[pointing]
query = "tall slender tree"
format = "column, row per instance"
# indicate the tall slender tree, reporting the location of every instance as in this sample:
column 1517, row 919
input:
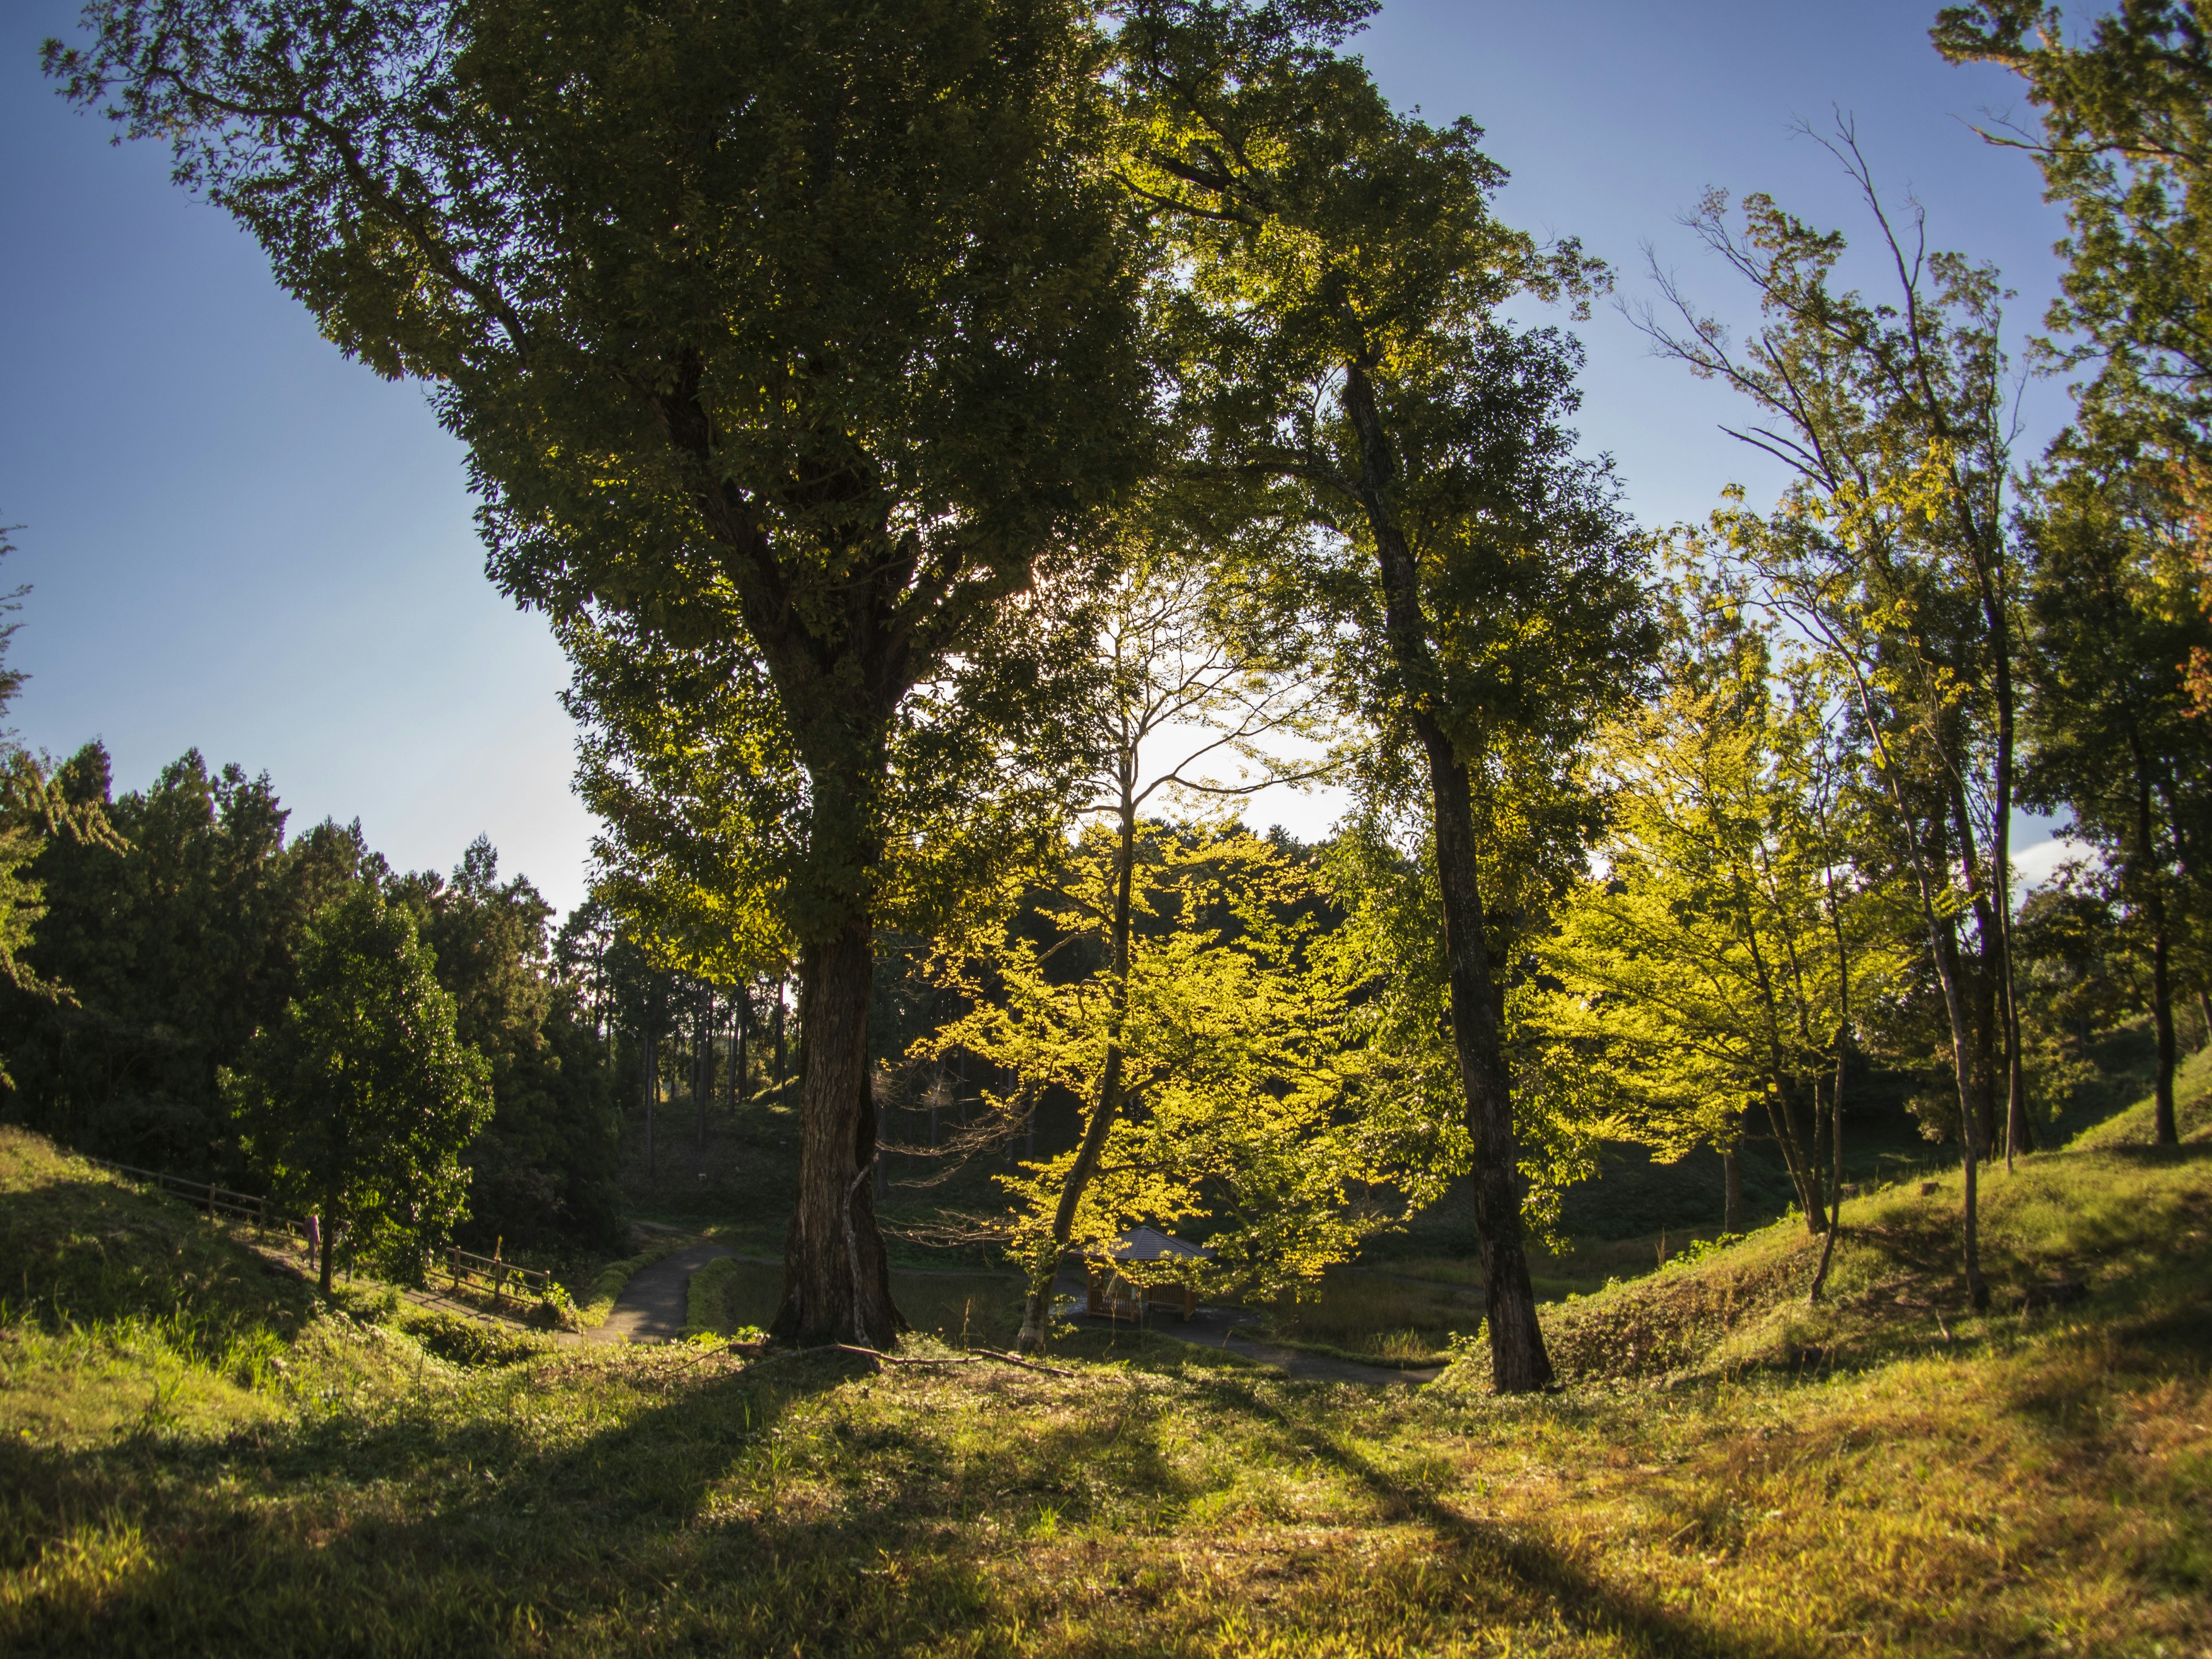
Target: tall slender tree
column 2116, row 608
column 1893, row 546
column 1345, row 346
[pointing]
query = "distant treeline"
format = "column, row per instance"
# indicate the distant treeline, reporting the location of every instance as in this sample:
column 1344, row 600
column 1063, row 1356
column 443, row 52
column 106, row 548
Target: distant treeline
column 164, row 947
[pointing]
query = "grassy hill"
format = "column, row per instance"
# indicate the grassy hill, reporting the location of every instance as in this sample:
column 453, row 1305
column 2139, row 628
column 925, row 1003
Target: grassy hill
column 197, row 1457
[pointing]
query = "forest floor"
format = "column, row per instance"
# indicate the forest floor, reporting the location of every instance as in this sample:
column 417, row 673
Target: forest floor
column 197, row 1455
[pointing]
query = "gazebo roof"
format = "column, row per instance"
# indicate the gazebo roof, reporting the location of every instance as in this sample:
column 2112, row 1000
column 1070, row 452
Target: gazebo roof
column 1150, row 1244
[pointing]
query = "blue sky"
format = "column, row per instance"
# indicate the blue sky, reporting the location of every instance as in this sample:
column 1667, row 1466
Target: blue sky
column 240, row 541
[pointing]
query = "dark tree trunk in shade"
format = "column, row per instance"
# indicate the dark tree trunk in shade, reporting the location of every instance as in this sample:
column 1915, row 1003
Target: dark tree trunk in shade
column 703, row 1064
column 836, row 1276
column 2147, row 878
column 1518, row 1363
column 743, row 1080
column 783, row 1064
column 1731, row 1191
column 2165, row 1128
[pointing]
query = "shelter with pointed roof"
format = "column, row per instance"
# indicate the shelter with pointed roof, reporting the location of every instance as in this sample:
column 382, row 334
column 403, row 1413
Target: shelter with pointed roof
column 1115, row 1295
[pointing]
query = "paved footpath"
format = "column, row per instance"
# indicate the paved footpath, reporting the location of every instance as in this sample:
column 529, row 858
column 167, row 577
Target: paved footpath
column 655, row 1303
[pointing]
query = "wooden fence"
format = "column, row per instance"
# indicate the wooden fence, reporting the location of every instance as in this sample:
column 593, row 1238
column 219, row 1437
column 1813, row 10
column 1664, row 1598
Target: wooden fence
column 487, row 1275
column 480, row 1275
column 219, row 1203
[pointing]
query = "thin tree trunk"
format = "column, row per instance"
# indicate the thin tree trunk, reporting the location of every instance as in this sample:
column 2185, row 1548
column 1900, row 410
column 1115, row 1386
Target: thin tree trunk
column 2146, row 879
column 836, row 1277
column 1836, row 1159
column 783, row 1064
column 1518, row 1363
column 1798, row 1147
column 1731, row 1190
column 1939, row 939
column 1044, row 1266
column 652, row 1099
column 1947, row 971
column 2167, row 1131
column 703, row 1064
column 741, row 1016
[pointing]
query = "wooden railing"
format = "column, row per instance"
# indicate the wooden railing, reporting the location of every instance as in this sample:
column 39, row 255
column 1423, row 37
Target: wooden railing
column 211, row 1198
column 487, row 1275
column 481, row 1275
column 219, row 1203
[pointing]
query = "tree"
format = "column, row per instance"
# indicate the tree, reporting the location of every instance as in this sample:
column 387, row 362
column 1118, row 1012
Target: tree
column 1713, row 965
column 2117, row 609
column 177, row 933
column 1343, row 344
column 359, row 1099
column 542, row 1169
column 1893, row 548
column 1208, row 1033
column 811, row 332
column 2125, row 146
column 1174, row 655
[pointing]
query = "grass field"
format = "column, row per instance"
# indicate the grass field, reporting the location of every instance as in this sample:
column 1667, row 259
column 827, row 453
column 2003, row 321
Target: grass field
column 198, row 1457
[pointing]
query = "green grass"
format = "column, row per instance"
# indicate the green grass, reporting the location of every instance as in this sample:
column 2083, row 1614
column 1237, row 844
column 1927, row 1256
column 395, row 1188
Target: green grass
column 198, row 1456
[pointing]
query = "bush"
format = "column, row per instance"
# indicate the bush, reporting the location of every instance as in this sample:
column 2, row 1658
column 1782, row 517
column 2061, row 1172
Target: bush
column 467, row 1341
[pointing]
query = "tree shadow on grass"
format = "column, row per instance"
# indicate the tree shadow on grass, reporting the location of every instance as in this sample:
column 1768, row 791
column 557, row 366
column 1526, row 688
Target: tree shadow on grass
column 414, row 1535
column 1506, row 1559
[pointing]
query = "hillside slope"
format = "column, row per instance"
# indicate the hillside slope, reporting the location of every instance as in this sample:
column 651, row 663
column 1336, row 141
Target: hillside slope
column 196, row 1458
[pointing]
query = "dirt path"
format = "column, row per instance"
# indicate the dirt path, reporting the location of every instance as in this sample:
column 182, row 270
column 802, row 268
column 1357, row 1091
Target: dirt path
column 654, row 1305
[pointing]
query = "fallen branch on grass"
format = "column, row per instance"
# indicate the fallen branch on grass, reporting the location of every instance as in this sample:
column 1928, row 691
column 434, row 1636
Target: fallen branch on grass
column 968, row 1359
column 1026, row 1364
column 894, row 1359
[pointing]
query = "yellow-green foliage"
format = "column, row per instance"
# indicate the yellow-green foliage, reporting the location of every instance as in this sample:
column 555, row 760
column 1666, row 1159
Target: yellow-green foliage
column 1242, row 1100
column 1714, row 962
column 2000, row 1485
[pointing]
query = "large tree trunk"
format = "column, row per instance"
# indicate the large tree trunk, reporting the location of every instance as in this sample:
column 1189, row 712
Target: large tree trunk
column 836, row 1278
